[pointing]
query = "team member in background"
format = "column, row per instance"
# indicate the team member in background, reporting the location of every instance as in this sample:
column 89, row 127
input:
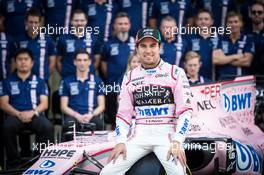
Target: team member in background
column 114, row 57
column 69, row 43
column 15, row 12
column 192, row 65
column 154, row 86
column 173, row 45
column 219, row 8
column 42, row 46
column 235, row 51
column 133, row 61
column 7, row 49
column 101, row 14
column 24, row 99
column 58, row 13
column 204, row 42
column 82, row 95
column 137, row 11
column 256, row 31
column 181, row 11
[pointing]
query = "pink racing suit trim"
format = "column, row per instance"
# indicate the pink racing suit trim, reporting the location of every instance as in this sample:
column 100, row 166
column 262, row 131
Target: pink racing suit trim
column 129, row 78
column 118, row 116
column 182, row 111
column 172, row 76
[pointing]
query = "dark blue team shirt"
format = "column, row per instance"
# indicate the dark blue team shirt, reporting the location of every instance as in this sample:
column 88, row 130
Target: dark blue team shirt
column 137, row 11
column 243, row 45
column 14, row 12
column 20, row 92
column 162, row 8
column 68, row 44
column 79, row 93
column 116, row 53
column 219, row 8
column 41, row 48
column 258, row 61
column 57, row 11
column 7, row 50
column 174, row 52
column 201, row 80
column 205, row 48
column 101, row 16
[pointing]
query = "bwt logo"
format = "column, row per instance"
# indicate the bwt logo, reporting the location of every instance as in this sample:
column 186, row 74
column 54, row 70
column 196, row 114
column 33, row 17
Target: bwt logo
column 47, row 164
column 236, row 102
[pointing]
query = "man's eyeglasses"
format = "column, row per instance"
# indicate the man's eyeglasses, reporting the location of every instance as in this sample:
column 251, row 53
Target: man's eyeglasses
column 255, row 12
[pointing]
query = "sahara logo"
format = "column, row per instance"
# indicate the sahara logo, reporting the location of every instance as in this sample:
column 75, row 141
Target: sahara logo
column 236, row 101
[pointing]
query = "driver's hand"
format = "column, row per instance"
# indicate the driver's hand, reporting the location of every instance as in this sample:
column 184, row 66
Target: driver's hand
column 177, row 152
column 120, row 148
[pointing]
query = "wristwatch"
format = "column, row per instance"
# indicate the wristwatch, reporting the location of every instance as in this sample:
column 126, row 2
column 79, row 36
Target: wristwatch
column 36, row 113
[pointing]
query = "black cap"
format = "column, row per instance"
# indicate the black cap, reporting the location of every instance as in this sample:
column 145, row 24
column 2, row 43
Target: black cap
column 148, row 33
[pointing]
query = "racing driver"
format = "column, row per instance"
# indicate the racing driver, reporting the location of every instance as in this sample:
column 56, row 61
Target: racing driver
column 159, row 93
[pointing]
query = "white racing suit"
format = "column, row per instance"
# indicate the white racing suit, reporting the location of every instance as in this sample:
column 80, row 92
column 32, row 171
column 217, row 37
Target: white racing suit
column 160, row 98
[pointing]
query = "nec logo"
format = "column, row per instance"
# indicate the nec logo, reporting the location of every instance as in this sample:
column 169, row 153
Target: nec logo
column 47, row 164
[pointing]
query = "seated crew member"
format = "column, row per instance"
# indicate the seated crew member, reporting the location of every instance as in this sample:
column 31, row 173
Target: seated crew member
column 82, row 95
column 24, row 100
column 192, row 65
column 154, row 89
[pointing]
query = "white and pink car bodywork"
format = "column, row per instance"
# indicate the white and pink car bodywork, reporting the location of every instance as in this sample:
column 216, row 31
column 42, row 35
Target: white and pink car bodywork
column 222, row 130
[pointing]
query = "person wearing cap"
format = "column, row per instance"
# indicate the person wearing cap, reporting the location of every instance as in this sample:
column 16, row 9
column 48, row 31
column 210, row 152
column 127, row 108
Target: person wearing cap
column 159, row 93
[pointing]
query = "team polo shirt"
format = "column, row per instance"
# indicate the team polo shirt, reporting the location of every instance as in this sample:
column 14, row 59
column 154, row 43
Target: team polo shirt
column 175, row 51
column 137, row 11
column 42, row 47
column 7, row 50
column 58, row 12
column 201, row 80
column 101, row 16
column 15, row 12
column 205, row 48
column 24, row 95
column 219, row 8
column 243, row 45
column 68, row 44
column 115, row 53
column 82, row 95
column 258, row 61
column 180, row 10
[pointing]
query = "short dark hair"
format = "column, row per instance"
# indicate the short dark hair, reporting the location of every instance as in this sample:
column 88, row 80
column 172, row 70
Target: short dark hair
column 204, row 10
column 257, row 3
column 33, row 12
column 23, row 51
column 122, row 15
column 234, row 14
column 81, row 51
column 78, row 11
